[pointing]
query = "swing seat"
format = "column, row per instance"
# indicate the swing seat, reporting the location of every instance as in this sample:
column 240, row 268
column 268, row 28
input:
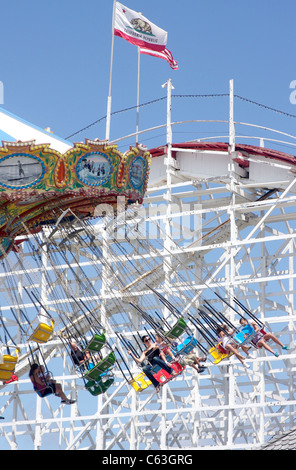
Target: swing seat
column 9, row 362
column 7, row 365
column 6, row 375
column 98, row 387
column 245, row 335
column 96, row 343
column 101, row 367
column 239, row 338
column 161, row 375
column 140, row 382
column 13, row 378
column 177, row 366
column 10, row 366
column 39, row 392
column 42, row 332
column 218, row 353
column 177, row 329
column 186, row 346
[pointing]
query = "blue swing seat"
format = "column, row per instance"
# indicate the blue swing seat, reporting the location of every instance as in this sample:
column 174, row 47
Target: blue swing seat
column 186, row 346
column 245, row 335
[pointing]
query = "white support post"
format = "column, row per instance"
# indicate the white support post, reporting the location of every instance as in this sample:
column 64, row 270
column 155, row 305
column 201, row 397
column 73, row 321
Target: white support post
column 231, row 119
column 231, row 210
column 138, row 98
column 108, row 118
column 168, row 196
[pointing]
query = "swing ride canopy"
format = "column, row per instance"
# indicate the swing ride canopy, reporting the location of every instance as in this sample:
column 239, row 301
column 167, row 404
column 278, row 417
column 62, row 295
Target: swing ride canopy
column 41, row 176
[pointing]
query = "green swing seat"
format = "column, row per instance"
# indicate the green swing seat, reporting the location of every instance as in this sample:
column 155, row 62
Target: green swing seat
column 177, row 329
column 101, row 367
column 96, row 343
column 99, row 386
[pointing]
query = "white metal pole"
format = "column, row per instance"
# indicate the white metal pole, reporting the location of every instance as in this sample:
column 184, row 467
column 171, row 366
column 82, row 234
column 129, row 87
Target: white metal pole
column 231, row 120
column 108, row 118
column 233, row 229
column 168, row 196
column 138, row 97
column 170, row 87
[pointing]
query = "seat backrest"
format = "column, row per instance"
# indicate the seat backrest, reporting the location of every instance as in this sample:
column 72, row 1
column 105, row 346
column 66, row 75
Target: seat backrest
column 40, row 391
column 140, row 382
column 100, row 367
column 42, row 332
column 245, row 335
column 96, row 343
column 248, row 329
column 6, row 374
column 98, row 387
column 8, row 362
column 239, row 337
column 177, row 329
column 186, row 346
column 218, row 353
column 8, row 359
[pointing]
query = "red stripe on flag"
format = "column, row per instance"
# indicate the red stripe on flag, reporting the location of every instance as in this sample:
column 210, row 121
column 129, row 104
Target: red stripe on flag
column 164, row 54
column 138, row 42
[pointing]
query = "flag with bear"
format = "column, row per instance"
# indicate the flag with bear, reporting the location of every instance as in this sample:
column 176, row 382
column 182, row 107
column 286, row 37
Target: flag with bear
column 138, row 30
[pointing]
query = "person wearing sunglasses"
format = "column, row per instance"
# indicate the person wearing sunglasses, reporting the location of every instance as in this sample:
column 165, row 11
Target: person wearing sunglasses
column 152, row 354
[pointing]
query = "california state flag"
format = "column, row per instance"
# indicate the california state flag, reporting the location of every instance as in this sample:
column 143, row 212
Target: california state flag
column 138, row 30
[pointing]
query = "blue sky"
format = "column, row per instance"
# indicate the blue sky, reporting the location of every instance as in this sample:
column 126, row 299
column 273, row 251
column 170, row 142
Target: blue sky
column 55, row 61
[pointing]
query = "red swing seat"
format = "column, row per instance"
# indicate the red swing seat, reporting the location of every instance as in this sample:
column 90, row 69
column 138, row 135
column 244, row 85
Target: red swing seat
column 163, row 376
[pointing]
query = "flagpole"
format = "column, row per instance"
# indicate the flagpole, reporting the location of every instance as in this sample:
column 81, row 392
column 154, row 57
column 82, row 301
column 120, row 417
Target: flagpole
column 108, row 117
column 138, row 96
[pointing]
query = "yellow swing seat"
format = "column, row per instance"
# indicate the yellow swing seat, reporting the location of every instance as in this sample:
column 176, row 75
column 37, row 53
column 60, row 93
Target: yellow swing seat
column 42, row 331
column 5, row 375
column 218, row 354
column 7, row 365
column 140, row 382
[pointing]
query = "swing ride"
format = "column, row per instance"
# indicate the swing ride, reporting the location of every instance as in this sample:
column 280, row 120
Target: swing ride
column 69, row 276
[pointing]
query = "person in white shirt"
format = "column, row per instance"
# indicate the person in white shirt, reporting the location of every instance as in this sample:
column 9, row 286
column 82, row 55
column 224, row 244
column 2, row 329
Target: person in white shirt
column 229, row 344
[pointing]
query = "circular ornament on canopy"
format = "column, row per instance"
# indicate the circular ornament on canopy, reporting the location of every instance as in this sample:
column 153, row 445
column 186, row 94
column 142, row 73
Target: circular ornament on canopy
column 136, row 172
column 94, row 168
column 20, row 170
